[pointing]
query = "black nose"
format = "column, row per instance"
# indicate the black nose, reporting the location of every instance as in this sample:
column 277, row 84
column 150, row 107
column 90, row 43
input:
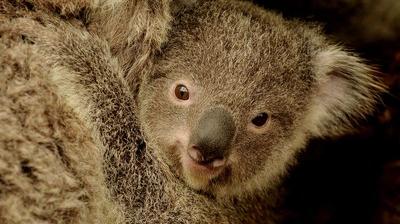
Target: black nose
column 213, row 135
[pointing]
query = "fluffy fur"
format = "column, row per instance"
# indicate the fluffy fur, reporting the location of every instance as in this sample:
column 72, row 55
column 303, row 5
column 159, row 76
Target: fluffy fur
column 50, row 168
column 72, row 149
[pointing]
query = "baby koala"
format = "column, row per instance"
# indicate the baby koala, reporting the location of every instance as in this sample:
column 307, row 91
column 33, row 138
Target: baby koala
column 237, row 91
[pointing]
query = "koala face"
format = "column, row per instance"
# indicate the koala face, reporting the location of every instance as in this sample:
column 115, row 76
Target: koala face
column 230, row 99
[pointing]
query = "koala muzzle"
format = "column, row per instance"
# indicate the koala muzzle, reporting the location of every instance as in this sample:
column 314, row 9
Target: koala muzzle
column 212, row 137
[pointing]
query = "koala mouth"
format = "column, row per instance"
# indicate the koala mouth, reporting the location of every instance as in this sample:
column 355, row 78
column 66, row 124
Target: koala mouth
column 193, row 160
column 200, row 173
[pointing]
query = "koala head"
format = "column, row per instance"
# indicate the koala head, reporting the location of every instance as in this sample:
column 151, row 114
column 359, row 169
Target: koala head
column 237, row 91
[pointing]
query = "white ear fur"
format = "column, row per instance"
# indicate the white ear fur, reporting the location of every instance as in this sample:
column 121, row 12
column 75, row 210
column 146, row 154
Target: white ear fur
column 347, row 91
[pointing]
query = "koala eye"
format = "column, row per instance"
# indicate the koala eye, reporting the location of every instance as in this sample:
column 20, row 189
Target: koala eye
column 182, row 92
column 260, row 119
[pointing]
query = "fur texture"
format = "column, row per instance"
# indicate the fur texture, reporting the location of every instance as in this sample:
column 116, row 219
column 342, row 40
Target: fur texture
column 50, row 168
column 72, row 149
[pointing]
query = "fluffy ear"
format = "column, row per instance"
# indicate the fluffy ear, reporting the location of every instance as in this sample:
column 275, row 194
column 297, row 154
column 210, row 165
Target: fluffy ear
column 347, row 91
column 135, row 31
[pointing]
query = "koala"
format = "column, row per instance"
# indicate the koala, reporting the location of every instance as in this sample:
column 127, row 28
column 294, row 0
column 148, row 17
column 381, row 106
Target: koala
column 51, row 152
column 191, row 114
column 240, row 91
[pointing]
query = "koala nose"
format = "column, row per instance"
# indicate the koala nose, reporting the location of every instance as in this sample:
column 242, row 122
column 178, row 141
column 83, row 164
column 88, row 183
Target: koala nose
column 211, row 139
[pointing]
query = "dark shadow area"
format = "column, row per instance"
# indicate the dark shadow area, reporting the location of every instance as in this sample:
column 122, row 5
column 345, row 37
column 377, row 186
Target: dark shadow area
column 354, row 179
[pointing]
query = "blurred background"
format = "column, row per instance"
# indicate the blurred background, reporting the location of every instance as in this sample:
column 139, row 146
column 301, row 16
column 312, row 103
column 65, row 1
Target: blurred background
column 354, row 179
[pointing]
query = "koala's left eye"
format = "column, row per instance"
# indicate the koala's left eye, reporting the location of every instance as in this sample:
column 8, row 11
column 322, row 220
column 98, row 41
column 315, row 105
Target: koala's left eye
column 260, row 119
column 181, row 92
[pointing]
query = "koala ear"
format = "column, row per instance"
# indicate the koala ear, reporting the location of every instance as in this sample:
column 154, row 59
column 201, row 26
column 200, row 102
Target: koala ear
column 347, row 92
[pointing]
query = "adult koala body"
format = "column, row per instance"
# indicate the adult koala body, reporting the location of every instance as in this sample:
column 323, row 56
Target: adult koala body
column 224, row 106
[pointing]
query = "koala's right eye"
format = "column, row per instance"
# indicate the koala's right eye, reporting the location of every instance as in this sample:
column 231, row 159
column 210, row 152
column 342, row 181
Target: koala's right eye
column 181, row 92
column 260, row 119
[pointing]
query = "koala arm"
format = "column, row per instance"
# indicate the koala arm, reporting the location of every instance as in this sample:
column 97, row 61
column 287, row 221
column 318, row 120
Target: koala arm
column 79, row 73
column 50, row 168
column 134, row 30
